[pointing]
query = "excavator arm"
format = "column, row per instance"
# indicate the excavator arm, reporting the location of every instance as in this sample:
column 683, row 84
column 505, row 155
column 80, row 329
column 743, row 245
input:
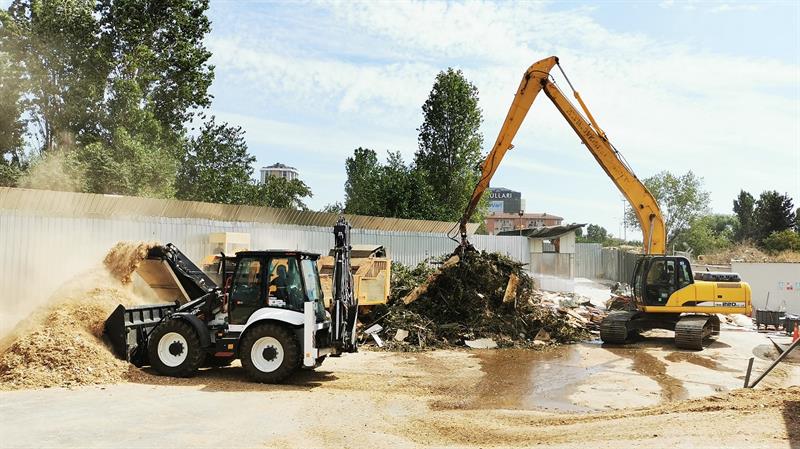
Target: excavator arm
column 536, row 79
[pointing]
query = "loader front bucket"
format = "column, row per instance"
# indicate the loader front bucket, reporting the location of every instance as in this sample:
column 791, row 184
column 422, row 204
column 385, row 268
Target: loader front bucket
column 127, row 330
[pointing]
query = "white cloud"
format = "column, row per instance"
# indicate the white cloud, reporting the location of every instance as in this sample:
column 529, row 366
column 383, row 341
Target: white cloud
column 352, row 74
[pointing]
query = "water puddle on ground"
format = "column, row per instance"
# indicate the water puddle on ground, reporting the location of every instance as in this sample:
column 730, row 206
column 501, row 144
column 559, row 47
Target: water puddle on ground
column 527, row 380
column 519, row 379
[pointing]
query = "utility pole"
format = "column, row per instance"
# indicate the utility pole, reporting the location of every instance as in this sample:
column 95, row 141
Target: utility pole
column 624, row 220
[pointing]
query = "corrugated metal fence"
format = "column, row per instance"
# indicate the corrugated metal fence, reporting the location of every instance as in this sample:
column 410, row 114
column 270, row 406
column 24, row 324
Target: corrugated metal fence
column 588, row 261
column 40, row 253
column 595, row 262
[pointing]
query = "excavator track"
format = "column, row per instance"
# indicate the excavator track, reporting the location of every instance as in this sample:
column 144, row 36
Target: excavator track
column 614, row 328
column 692, row 330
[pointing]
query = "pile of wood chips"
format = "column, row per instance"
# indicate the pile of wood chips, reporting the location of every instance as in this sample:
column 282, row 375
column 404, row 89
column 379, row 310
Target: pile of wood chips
column 61, row 344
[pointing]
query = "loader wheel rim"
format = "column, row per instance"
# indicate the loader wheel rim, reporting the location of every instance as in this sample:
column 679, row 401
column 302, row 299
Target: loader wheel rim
column 172, row 349
column 267, row 354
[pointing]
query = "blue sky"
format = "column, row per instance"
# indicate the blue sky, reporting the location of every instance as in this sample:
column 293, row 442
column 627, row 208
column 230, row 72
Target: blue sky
column 709, row 86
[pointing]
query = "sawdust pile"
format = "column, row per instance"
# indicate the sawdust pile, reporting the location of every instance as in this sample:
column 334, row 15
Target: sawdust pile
column 472, row 300
column 125, row 257
column 60, row 345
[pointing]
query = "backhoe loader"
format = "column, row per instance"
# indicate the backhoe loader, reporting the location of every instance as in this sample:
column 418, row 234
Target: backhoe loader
column 269, row 313
column 666, row 293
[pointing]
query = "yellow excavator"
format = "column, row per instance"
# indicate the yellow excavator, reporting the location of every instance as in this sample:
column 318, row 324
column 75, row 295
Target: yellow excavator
column 666, row 293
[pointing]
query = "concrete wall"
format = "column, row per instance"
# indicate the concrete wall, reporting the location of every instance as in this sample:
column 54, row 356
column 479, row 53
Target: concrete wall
column 567, row 243
column 781, row 281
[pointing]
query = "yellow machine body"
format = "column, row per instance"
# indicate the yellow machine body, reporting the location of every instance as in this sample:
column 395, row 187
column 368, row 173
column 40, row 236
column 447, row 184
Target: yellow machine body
column 708, row 297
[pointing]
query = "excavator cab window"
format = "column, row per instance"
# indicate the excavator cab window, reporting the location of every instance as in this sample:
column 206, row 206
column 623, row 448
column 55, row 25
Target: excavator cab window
column 660, row 281
column 638, row 274
column 684, row 273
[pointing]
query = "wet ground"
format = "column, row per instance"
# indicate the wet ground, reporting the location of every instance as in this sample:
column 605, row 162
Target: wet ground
column 590, row 376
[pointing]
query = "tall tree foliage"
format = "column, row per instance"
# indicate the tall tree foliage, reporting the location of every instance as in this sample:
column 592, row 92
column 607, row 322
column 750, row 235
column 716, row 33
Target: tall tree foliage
column 362, row 188
column 112, row 81
column 744, row 208
column 158, row 57
column 394, row 189
column 707, row 234
column 12, row 125
column 279, row 192
column 450, row 143
column 58, row 46
column 680, row 198
column 216, row 166
column 773, row 213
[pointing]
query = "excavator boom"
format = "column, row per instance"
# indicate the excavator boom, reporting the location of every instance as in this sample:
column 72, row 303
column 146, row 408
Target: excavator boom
column 537, row 78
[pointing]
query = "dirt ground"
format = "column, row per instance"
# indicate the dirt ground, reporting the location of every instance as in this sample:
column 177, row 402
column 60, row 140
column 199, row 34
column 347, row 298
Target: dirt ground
column 585, row 395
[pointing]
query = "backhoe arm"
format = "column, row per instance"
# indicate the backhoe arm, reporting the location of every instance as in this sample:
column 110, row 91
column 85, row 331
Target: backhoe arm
column 641, row 200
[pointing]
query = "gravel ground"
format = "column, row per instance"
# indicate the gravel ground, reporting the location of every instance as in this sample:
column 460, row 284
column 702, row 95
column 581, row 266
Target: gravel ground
column 578, row 396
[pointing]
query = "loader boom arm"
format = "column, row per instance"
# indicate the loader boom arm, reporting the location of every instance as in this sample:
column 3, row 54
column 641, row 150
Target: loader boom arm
column 537, row 78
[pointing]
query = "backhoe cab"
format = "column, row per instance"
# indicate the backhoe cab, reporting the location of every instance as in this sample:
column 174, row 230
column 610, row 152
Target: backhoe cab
column 270, row 314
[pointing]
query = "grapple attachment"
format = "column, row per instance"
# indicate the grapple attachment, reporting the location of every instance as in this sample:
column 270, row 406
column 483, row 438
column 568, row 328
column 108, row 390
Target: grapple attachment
column 127, row 329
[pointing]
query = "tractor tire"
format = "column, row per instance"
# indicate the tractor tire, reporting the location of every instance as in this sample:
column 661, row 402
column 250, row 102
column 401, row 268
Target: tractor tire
column 174, row 349
column 270, row 353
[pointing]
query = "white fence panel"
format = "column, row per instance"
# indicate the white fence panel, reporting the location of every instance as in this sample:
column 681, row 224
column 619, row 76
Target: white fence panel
column 40, row 253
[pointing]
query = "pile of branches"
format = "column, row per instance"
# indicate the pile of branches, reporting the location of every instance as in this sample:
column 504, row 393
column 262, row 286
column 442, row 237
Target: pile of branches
column 469, row 300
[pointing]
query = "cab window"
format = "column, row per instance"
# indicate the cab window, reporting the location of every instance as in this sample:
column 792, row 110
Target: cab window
column 684, row 274
column 285, row 283
column 311, row 280
column 247, row 283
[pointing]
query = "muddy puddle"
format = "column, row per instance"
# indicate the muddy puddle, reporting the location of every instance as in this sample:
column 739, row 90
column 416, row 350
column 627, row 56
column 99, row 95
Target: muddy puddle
column 528, row 380
column 531, row 380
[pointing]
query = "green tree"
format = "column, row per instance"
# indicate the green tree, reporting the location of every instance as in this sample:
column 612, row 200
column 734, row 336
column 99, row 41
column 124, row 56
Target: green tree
column 12, row 125
column 680, row 198
column 450, row 144
column 112, row 79
column 707, row 234
column 596, row 233
column 57, row 45
column 773, row 213
column 127, row 166
column 744, row 206
column 362, row 188
column 394, row 189
column 216, row 166
column 279, row 192
column 159, row 61
column 786, row 240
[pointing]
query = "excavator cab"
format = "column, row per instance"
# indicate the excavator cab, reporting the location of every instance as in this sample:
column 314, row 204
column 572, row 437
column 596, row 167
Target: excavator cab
column 656, row 278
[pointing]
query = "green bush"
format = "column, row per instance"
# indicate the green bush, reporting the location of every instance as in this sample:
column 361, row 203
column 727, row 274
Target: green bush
column 782, row 241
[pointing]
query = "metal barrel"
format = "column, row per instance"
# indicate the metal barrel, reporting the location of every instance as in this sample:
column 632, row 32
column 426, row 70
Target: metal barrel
column 127, row 329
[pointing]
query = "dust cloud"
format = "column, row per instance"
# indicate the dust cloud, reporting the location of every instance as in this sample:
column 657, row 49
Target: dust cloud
column 60, row 344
